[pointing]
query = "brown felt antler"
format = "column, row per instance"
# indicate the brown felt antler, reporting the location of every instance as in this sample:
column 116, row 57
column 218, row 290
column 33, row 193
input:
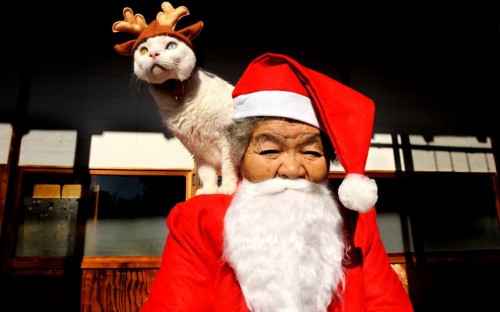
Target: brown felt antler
column 163, row 25
column 134, row 24
column 170, row 16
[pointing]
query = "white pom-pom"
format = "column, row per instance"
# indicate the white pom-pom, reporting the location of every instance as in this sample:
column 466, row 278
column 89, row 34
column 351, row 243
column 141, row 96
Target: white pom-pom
column 358, row 192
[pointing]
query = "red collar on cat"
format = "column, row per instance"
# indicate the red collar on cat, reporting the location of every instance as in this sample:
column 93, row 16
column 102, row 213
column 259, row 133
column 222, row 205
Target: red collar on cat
column 174, row 87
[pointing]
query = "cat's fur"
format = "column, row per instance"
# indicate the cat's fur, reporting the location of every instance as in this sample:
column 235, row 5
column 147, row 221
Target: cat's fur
column 195, row 111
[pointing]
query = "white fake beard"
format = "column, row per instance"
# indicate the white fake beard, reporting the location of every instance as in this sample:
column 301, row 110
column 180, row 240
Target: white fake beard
column 284, row 240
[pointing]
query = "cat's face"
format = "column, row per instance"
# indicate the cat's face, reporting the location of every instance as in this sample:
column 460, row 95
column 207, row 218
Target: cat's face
column 163, row 57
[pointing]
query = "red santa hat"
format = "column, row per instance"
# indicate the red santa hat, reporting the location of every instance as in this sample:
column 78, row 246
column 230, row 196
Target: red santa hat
column 276, row 85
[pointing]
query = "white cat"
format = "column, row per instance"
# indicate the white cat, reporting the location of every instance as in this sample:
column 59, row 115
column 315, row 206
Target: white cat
column 195, row 105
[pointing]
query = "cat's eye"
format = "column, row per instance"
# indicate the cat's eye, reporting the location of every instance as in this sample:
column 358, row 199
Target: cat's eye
column 171, row 45
column 143, row 51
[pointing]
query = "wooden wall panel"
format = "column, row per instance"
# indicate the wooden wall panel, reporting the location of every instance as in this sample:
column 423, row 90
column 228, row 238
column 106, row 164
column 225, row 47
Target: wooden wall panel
column 115, row 289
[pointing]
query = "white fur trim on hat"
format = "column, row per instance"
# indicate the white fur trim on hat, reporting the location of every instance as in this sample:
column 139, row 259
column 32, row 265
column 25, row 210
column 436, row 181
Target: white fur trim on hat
column 275, row 103
column 358, row 192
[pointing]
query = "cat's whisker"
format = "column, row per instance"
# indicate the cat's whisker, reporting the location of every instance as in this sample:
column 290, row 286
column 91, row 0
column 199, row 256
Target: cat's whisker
column 135, row 84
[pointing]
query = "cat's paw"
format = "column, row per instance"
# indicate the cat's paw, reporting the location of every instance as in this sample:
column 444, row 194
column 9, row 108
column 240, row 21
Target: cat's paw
column 228, row 187
column 208, row 189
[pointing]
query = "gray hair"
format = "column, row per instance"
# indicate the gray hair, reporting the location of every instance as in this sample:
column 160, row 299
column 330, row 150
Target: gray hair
column 238, row 134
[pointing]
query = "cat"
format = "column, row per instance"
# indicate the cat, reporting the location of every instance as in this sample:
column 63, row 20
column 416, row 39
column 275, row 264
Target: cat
column 197, row 114
column 195, row 105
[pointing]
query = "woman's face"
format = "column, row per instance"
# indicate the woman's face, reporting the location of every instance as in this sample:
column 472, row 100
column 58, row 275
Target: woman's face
column 286, row 149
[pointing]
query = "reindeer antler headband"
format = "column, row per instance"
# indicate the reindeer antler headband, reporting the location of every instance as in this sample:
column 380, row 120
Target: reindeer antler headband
column 163, row 25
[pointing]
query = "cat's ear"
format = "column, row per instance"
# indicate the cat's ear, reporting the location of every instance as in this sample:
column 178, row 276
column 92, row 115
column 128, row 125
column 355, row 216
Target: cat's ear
column 192, row 31
column 126, row 48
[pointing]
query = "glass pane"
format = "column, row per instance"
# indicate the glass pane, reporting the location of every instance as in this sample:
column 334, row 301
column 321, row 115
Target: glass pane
column 48, row 214
column 437, row 212
column 48, row 228
column 130, row 214
column 453, row 212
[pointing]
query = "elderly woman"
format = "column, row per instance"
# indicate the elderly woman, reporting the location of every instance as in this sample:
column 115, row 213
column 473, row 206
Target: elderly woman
column 284, row 241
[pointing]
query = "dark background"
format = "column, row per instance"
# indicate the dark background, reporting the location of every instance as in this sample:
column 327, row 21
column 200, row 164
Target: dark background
column 449, row 51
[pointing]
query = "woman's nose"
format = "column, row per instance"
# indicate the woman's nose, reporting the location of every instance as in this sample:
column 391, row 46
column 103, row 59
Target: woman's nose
column 291, row 168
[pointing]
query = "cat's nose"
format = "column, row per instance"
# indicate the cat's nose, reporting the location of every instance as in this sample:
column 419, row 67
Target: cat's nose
column 154, row 54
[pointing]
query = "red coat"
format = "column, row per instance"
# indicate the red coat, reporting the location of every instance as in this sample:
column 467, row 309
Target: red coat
column 194, row 277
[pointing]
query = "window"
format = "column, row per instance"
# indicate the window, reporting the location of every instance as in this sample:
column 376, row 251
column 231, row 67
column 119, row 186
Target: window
column 129, row 213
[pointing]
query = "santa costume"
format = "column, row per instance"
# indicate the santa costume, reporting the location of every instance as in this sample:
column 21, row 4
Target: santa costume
column 247, row 252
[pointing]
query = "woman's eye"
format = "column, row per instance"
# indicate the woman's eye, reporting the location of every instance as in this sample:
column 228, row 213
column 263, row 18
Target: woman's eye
column 171, row 45
column 268, row 152
column 313, row 153
column 143, row 50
